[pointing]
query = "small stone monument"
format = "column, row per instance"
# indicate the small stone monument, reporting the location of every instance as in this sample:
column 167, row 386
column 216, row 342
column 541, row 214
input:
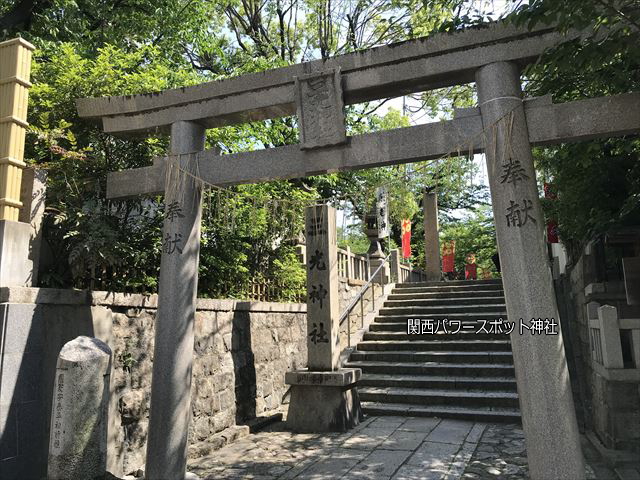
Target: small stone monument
column 78, row 437
column 324, row 397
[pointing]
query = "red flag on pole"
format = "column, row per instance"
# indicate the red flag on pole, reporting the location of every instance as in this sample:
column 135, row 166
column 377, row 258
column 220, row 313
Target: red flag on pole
column 448, row 256
column 406, row 238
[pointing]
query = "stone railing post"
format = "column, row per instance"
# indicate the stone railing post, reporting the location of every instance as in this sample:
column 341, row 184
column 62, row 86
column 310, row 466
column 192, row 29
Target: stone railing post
column 394, row 265
column 610, row 335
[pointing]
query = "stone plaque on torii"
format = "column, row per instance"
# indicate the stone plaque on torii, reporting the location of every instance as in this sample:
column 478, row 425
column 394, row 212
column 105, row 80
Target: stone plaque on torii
column 504, row 124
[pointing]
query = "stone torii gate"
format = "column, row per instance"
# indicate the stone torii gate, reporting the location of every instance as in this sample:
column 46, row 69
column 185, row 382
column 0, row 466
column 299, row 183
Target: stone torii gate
column 492, row 57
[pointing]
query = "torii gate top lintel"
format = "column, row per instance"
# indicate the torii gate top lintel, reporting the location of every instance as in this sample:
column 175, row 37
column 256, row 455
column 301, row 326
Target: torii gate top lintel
column 421, row 64
column 318, row 91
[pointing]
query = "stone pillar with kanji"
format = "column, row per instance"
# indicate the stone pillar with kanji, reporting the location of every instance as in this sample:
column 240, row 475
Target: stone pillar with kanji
column 322, row 288
column 548, row 415
column 323, row 396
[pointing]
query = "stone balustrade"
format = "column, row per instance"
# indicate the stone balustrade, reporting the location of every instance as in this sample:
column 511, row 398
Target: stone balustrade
column 615, row 343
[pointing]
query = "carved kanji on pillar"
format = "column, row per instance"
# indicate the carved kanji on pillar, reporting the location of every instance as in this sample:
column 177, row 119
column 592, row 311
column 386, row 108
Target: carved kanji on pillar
column 320, row 109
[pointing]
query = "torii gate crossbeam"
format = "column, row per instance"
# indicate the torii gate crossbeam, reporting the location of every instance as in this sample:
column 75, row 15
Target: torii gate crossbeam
column 547, row 124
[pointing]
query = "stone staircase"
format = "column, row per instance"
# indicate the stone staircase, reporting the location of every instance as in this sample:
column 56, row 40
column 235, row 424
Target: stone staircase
column 463, row 375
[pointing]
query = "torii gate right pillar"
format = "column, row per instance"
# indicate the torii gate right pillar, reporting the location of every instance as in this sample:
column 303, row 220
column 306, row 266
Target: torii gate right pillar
column 544, row 389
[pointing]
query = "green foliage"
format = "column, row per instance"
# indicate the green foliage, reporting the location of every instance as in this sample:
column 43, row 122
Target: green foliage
column 473, row 234
column 87, row 49
column 598, row 182
column 94, row 242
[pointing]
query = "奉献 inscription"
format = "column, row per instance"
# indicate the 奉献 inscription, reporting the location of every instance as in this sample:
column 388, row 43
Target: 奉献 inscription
column 518, row 215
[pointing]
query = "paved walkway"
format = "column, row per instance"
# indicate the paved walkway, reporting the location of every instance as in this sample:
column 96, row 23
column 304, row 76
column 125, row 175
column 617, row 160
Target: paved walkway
column 398, row 448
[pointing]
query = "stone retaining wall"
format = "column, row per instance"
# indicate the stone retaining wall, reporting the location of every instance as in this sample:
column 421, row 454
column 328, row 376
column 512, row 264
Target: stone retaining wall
column 242, row 351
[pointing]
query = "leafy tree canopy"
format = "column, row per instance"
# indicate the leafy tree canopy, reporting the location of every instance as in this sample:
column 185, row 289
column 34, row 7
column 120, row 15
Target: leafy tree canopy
column 89, row 48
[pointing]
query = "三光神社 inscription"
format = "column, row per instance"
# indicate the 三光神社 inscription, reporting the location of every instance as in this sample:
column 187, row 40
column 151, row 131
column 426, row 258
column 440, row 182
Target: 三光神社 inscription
column 322, row 292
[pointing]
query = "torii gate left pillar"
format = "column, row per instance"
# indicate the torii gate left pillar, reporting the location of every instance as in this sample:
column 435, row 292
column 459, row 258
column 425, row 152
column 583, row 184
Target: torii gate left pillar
column 177, row 294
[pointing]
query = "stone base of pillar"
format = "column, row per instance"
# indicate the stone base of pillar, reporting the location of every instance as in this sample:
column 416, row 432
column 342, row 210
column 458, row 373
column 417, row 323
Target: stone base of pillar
column 433, row 277
column 323, row 401
column 384, row 275
column 16, row 266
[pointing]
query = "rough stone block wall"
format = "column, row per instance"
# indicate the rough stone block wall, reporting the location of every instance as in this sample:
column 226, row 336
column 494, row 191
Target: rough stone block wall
column 241, row 353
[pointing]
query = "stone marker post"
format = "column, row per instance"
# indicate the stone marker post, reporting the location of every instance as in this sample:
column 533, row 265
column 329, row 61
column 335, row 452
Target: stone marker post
column 323, row 397
column 322, row 288
column 78, row 438
column 544, row 389
column 433, row 263
column 174, row 337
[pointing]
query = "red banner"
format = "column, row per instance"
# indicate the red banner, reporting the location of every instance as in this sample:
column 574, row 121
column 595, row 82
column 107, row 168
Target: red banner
column 552, row 225
column 471, row 268
column 448, row 256
column 552, row 232
column 406, row 238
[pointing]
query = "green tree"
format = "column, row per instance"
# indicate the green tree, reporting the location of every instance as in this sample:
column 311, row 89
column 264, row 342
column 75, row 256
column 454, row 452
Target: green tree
column 598, row 182
column 87, row 49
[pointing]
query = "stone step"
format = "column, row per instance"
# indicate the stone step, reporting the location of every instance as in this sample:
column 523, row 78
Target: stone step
column 416, row 288
column 433, row 356
column 444, row 309
column 434, row 368
column 444, row 295
column 494, row 281
column 462, row 336
column 438, row 382
column 486, row 414
column 465, row 318
column 463, row 375
column 453, row 302
column 382, row 326
column 432, row 345
column 430, row 397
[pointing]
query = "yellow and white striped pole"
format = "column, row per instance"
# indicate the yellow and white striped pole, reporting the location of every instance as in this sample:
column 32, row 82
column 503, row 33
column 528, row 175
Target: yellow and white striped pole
column 15, row 68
